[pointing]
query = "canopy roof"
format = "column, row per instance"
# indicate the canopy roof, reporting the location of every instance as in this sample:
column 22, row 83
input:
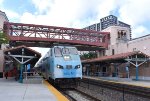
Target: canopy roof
column 117, row 57
column 17, row 51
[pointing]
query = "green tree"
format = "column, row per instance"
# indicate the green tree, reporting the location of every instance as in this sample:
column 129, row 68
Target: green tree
column 88, row 55
column 3, row 38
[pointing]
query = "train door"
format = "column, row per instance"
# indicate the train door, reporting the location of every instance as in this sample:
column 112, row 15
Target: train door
column 51, row 63
column 46, row 63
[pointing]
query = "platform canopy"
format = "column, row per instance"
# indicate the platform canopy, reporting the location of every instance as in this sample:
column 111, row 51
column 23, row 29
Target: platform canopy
column 123, row 57
column 23, row 54
column 136, row 58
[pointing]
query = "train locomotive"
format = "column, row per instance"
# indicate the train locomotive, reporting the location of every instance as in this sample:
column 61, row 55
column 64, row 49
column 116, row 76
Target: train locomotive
column 62, row 66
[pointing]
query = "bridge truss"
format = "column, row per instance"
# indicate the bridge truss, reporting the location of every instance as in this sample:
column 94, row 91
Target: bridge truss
column 45, row 36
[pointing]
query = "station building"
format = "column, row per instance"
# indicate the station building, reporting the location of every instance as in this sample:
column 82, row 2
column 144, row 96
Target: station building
column 120, row 42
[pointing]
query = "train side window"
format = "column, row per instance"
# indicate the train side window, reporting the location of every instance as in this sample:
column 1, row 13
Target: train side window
column 57, row 51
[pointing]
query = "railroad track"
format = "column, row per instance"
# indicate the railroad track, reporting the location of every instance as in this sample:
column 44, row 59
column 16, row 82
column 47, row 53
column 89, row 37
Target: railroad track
column 75, row 95
column 124, row 91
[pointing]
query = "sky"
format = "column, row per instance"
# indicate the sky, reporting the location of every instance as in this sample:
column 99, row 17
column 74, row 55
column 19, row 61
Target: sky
column 79, row 13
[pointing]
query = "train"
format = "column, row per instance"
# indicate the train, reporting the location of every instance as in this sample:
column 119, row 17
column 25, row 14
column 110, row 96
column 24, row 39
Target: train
column 62, row 66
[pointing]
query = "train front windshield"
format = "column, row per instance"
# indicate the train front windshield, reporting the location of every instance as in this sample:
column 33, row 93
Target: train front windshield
column 65, row 51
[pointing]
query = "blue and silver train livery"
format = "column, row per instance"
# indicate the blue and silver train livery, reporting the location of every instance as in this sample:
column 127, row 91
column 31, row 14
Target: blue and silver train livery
column 62, row 64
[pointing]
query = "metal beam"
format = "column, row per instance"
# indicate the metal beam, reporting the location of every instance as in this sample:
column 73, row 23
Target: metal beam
column 21, row 56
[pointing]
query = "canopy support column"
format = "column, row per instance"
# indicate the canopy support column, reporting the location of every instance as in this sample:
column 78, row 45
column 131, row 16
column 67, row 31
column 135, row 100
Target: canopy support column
column 137, row 62
column 21, row 74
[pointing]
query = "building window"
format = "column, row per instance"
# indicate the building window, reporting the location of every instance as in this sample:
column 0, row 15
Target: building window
column 103, row 53
column 113, row 51
column 122, row 34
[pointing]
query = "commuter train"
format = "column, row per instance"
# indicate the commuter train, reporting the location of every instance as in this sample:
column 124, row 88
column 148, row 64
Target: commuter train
column 62, row 65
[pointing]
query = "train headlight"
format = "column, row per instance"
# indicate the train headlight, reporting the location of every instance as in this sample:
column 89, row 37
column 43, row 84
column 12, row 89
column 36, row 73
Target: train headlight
column 77, row 66
column 67, row 57
column 59, row 66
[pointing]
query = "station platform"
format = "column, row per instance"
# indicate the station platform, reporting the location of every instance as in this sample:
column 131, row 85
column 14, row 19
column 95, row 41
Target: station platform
column 126, row 81
column 11, row 90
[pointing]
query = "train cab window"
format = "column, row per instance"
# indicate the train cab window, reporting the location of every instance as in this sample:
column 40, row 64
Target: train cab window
column 57, row 51
column 51, row 53
column 73, row 51
column 66, row 51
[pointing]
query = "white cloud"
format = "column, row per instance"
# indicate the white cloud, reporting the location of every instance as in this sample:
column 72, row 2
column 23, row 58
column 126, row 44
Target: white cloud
column 106, row 6
column 11, row 15
column 136, row 13
column 140, row 31
column 1, row 5
column 1, row 1
column 42, row 5
column 68, row 13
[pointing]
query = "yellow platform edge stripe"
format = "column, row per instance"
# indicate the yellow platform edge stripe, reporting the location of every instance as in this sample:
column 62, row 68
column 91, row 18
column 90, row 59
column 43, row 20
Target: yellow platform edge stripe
column 58, row 95
column 117, row 82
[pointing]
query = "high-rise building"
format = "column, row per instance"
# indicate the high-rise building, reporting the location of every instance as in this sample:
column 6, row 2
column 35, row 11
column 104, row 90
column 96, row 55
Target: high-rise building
column 105, row 22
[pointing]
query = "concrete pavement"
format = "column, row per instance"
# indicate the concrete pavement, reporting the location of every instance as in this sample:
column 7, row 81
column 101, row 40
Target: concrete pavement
column 11, row 90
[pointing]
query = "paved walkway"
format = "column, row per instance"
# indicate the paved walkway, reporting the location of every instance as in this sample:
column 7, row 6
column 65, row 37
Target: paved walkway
column 11, row 90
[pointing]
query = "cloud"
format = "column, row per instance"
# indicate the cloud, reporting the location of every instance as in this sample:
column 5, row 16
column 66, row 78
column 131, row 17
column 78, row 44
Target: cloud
column 1, row 4
column 1, row 1
column 68, row 13
column 135, row 13
column 140, row 31
column 106, row 6
column 42, row 5
column 12, row 16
